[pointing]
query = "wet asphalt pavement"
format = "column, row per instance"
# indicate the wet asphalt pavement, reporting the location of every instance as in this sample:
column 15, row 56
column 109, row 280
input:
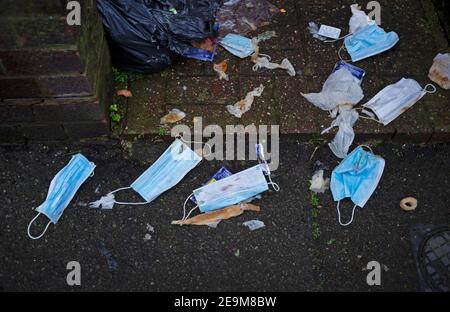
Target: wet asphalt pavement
column 296, row 251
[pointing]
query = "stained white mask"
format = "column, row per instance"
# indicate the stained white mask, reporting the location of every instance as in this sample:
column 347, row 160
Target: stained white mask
column 395, row 99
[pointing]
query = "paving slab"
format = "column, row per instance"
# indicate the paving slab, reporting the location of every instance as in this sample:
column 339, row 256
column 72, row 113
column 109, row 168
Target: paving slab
column 194, row 87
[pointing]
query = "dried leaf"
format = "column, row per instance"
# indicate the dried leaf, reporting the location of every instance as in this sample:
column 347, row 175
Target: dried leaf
column 173, row 116
column 124, row 92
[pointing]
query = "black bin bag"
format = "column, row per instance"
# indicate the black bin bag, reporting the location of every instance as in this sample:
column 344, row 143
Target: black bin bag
column 146, row 35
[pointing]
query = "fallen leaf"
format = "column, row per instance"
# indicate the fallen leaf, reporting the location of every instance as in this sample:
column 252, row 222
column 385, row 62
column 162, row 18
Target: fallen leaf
column 173, row 116
column 124, row 92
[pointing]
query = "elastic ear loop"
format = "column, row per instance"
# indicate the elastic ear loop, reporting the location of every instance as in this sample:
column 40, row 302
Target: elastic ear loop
column 126, row 203
column 184, row 208
column 29, row 226
column 334, row 40
column 206, row 144
column 339, row 54
column 433, row 90
column 339, row 215
column 275, row 186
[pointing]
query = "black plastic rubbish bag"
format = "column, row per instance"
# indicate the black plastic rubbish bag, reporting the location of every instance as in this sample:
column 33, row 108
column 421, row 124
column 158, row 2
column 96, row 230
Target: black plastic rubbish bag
column 146, row 35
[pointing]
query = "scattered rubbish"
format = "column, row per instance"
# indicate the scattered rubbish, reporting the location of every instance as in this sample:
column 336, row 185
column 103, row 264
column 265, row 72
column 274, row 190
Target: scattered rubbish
column 212, row 217
column 242, row 17
column 232, row 190
column 254, row 224
column 208, row 45
column 329, row 32
column 408, row 204
column 283, row 11
column 395, row 99
column 238, row 45
column 264, row 62
column 244, row 105
column 318, row 183
column 340, row 88
column 314, row 31
column 440, row 70
column 147, row 237
column 112, row 263
column 219, row 175
column 359, row 19
column 124, row 92
column 82, row 204
column 221, row 70
column 145, row 36
column 345, row 135
column 369, row 41
column 173, row 116
column 267, row 35
column 356, row 177
column 231, row 2
column 63, row 188
column 214, row 224
column 97, row 189
column 356, row 71
column 166, row 172
column 150, row 228
column 237, row 253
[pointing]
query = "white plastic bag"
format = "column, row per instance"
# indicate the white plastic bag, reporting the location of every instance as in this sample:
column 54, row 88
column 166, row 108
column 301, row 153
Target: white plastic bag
column 264, row 62
column 244, row 105
column 345, row 135
column 340, row 88
column 359, row 19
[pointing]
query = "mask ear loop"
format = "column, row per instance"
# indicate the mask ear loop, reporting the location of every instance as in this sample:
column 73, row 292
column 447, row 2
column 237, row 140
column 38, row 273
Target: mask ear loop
column 339, row 215
column 339, row 54
column 334, row 40
column 368, row 147
column 29, row 226
column 206, row 144
column 433, row 88
column 184, row 207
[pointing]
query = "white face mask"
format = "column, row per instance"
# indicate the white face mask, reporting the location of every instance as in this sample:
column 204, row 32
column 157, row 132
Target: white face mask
column 395, row 99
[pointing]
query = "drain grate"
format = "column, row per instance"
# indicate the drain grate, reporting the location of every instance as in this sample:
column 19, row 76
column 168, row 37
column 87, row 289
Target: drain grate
column 432, row 253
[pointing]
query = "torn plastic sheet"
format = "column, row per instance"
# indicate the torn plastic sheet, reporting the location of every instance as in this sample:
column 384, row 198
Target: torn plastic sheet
column 173, row 116
column 314, row 31
column 254, row 224
column 359, row 19
column 244, row 16
column 340, row 88
column 264, row 62
column 243, row 106
column 318, row 183
column 214, row 216
column 105, row 202
column 440, row 70
column 345, row 135
column 221, row 69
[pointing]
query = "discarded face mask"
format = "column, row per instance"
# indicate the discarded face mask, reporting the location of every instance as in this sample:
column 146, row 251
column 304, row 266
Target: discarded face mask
column 166, row 172
column 238, row 45
column 440, row 70
column 340, row 88
column 222, row 173
column 62, row 189
column 173, row 116
column 264, row 62
column 356, row 177
column 369, row 41
column 345, row 135
column 244, row 105
column 218, row 215
column 395, row 99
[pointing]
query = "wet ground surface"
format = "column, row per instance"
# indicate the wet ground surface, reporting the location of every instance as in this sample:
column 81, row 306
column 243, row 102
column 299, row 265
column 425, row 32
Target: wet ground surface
column 195, row 88
column 296, row 251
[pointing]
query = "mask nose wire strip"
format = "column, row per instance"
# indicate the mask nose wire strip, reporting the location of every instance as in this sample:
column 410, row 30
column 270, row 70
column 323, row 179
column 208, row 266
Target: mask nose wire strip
column 199, row 142
column 29, row 226
column 339, row 215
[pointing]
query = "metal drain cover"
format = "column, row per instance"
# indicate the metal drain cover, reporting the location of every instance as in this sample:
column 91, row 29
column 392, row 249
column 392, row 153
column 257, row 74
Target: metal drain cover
column 431, row 247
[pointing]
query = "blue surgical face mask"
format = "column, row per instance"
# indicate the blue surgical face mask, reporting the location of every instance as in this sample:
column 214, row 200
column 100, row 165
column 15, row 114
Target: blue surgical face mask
column 62, row 189
column 356, row 177
column 369, row 41
column 231, row 190
column 238, row 45
column 165, row 173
